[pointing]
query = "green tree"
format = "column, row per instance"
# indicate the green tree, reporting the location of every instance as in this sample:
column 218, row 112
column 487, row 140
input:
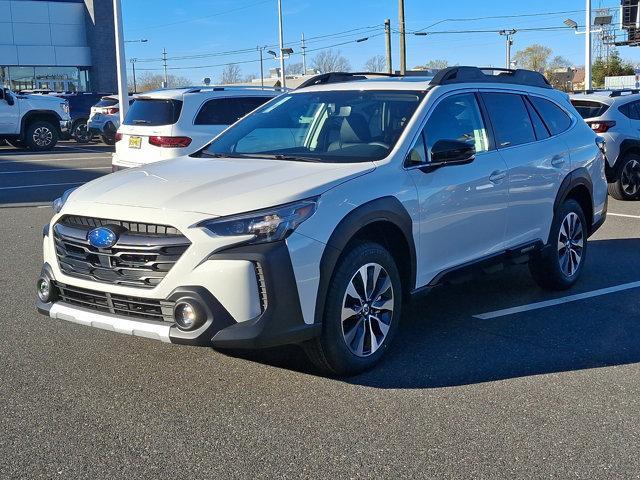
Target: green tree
column 611, row 67
column 534, row 57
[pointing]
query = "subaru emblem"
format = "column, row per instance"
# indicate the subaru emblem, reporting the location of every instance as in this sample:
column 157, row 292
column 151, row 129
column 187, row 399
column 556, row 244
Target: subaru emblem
column 102, row 237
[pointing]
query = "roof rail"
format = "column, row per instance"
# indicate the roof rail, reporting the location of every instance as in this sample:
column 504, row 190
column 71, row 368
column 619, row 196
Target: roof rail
column 340, row 77
column 221, row 88
column 454, row 75
column 618, row 93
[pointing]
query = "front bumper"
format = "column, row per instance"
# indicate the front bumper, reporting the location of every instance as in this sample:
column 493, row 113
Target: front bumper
column 280, row 321
column 65, row 127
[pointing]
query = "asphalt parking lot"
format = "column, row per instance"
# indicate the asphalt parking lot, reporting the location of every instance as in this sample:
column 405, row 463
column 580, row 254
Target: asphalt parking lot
column 468, row 391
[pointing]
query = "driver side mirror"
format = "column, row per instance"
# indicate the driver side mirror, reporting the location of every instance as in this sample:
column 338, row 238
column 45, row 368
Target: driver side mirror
column 451, row 152
column 7, row 96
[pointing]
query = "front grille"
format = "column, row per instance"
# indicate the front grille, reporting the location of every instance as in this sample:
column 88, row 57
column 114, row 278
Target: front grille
column 121, row 305
column 141, row 257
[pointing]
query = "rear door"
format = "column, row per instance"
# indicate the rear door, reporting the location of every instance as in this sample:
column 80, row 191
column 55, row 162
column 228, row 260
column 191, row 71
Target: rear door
column 537, row 161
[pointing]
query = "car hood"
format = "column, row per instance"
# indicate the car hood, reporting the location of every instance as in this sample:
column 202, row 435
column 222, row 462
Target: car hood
column 217, row 186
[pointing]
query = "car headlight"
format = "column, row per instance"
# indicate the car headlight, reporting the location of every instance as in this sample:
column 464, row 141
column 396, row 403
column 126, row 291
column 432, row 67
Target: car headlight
column 59, row 202
column 265, row 226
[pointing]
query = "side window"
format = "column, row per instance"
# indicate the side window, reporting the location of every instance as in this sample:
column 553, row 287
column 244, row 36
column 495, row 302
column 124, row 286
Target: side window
column 631, row 110
column 555, row 118
column 418, row 154
column 511, row 122
column 218, row 111
column 538, row 125
column 457, row 117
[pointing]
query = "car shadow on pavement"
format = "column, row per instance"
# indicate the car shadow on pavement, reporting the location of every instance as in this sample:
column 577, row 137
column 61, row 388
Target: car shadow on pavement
column 62, row 147
column 440, row 343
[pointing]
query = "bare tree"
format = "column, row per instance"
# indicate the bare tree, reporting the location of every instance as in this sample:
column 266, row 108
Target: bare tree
column 250, row 77
column 377, row 63
column 535, row 57
column 330, row 61
column 150, row 81
column 231, row 74
column 294, row 69
column 436, row 64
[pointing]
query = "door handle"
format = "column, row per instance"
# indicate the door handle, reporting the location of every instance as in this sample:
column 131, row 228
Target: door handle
column 557, row 160
column 497, row 176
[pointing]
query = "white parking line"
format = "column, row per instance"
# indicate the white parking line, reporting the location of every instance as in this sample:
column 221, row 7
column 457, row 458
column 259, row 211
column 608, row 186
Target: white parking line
column 556, row 301
column 624, row 215
column 56, row 160
column 55, row 170
column 41, row 185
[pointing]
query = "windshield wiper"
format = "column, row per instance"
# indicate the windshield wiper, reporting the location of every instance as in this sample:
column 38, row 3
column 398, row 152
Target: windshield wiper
column 141, row 122
column 262, row 155
column 294, row 158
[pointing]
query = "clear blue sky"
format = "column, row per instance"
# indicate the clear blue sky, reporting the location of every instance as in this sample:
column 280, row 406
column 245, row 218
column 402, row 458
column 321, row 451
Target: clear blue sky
column 202, row 27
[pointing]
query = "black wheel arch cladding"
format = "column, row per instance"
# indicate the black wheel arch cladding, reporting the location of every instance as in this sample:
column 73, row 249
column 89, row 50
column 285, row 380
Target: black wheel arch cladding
column 385, row 209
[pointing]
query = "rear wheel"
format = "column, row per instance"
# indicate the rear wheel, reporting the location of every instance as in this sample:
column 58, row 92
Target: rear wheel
column 108, row 139
column 41, row 136
column 560, row 264
column 362, row 312
column 627, row 184
column 81, row 132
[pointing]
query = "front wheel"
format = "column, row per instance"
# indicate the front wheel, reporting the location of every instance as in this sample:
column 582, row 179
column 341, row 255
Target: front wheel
column 362, row 312
column 560, row 264
column 627, row 184
column 41, row 136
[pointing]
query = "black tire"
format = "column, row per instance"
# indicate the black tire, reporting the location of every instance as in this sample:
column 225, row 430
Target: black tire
column 108, row 139
column 329, row 352
column 621, row 189
column 17, row 144
column 41, row 136
column 80, row 132
column 549, row 269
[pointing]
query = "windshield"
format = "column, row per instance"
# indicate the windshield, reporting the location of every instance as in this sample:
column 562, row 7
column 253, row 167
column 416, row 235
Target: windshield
column 328, row 126
column 153, row 112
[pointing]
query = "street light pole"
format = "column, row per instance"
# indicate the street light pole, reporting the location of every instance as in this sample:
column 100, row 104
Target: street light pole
column 303, row 46
column 261, row 67
column 387, row 32
column 164, row 63
column 281, row 42
column 123, row 92
column 587, row 48
column 403, row 44
column 509, row 34
column 133, row 66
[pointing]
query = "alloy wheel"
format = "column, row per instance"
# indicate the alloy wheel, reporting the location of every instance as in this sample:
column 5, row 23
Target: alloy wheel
column 630, row 178
column 367, row 310
column 570, row 244
column 81, row 133
column 42, row 136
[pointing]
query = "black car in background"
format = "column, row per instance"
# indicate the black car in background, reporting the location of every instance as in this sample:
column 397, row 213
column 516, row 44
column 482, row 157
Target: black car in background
column 80, row 104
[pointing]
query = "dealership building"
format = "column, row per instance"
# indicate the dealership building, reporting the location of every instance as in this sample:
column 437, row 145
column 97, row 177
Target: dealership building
column 61, row 45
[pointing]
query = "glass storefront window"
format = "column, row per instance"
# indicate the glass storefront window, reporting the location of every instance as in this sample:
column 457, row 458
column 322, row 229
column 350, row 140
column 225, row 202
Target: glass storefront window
column 59, row 79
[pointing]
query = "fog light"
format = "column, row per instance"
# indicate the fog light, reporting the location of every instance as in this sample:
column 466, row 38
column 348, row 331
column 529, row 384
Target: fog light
column 188, row 316
column 44, row 289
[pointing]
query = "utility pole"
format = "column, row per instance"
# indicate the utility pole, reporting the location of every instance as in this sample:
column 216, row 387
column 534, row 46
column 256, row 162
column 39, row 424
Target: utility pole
column 304, row 56
column 509, row 43
column 281, row 42
column 261, row 67
column 133, row 66
column 164, row 63
column 123, row 91
column 387, row 33
column 587, row 48
column 403, row 44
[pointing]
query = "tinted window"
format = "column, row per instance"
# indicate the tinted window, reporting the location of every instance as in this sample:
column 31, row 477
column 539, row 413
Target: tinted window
column 457, row 118
column 538, row 125
column 106, row 102
column 327, row 126
column 631, row 110
column 511, row 121
column 225, row 111
column 153, row 112
column 555, row 118
column 588, row 109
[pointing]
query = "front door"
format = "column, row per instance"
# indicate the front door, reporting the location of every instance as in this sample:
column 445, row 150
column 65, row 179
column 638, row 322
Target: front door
column 9, row 114
column 463, row 208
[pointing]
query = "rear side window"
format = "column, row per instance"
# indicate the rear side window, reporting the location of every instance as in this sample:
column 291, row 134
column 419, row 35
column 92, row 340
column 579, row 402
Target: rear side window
column 153, row 112
column 511, row 122
column 538, row 125
column 225, row 111
column 556, row 119
column 589, row 109
column 631, row 110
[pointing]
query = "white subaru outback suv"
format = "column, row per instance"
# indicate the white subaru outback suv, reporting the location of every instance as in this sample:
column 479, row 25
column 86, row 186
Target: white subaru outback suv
column 167, row 124
column 313, row 218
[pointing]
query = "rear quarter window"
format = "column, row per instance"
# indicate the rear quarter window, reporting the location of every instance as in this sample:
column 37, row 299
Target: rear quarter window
column 226, row 111
column 153, row 112
column 589, row 109
column 106, row 102
column 556, row 119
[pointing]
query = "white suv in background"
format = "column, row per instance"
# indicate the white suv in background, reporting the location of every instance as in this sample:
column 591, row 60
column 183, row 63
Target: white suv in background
column 312, row 219
column 170, row 123
column 104, row 118
column 615, row 115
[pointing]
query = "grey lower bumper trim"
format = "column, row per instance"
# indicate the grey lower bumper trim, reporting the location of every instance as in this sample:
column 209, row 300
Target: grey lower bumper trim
column 139, row 328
